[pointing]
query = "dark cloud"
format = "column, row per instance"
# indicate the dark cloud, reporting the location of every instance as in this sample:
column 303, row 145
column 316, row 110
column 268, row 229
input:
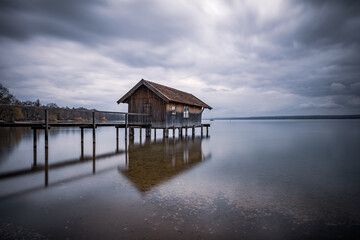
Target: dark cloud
column 275, row 57
column 89, row 22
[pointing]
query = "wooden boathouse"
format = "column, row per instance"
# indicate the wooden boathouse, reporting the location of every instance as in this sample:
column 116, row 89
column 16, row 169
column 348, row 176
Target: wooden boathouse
column 167, row 108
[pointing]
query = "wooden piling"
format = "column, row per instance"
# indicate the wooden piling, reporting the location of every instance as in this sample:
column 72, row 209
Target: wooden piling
column 207, row 131
column 166, row 133
column 186, row 131
column 148, row 133
column 193, row 131
column 202, row 131
column 155, row 134
column 180, row 132
column 140, row 133
column 93, row 127
column 131, row 132
column 173, row 132
column 46, row 129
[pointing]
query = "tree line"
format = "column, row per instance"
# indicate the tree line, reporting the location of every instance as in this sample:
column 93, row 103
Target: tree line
column 35, row 111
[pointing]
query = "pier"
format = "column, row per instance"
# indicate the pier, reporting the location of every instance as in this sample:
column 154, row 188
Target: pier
column 129, row 133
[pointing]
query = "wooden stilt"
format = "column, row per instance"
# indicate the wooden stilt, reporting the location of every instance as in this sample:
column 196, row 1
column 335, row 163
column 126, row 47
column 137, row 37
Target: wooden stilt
column 180, row 132
column 148, row 133
column 46, row 129
column 207, row 131
column 93, row 127
column 174, row 132
column 155, row 134
column 193, row 131
column 186, row 131
column 202, row 131
column 166, row 132
column 131, row 132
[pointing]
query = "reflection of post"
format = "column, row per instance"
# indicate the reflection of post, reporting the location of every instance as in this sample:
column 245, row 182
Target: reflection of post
column 46, row 166
column 94, row 147
column 126, row 125
column 126, row 153
column 82, row 143
column 35, row 148
column 117, row 139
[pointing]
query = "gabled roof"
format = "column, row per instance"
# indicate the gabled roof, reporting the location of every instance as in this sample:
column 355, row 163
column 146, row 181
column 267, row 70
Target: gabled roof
column 168, row 94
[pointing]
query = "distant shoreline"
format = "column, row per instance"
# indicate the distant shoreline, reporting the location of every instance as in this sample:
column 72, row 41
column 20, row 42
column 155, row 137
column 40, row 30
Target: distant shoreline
column 299, row 117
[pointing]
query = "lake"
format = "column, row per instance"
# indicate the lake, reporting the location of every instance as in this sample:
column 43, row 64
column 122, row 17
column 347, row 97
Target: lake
column 261, row 179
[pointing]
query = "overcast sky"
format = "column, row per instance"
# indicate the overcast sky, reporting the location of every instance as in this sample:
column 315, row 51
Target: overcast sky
column 243, row 58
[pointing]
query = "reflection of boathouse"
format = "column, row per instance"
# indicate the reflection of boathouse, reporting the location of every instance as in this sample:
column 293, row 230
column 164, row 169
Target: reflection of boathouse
column 156, row 162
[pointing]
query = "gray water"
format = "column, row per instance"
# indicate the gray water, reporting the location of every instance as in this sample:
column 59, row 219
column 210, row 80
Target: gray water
column 286, row 179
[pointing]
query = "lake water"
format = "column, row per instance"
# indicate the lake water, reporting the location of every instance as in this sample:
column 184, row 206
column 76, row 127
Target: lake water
column 286, row 179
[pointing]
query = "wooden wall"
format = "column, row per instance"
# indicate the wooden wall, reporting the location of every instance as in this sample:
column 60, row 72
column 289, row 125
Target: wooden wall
column 144, row 100
column 178, row 119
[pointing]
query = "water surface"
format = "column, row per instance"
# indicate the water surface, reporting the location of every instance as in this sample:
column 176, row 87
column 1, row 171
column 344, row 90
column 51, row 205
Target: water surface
column 275, row 179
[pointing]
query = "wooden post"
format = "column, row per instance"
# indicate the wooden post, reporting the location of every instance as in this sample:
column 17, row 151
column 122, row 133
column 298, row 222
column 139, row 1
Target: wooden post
column 193, row 131
column 131, row 132
column 35, row 148
column 174, row 132
column 94, row 140
column 202, row 130
column 46, row 129
column 186, row 130
column 126, row 125
column 155, row 134
column 148, row 132
column 46, row 148
column 166, row 132
column 82, row 143
column 140, row 132
column 207, row 131
column 180, row 132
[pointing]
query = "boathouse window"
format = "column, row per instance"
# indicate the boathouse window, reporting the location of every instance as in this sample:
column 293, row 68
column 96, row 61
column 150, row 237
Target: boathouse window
column 173, row 110
column 186, row 112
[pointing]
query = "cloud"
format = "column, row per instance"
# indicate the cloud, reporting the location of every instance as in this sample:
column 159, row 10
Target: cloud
column 283, row 57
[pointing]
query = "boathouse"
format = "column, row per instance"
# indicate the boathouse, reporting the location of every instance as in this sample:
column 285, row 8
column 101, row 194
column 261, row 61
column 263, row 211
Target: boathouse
column 166, row 107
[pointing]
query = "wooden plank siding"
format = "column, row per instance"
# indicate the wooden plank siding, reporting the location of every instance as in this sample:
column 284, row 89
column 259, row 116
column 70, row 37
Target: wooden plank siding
column 143, row 100
column 178, row 119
